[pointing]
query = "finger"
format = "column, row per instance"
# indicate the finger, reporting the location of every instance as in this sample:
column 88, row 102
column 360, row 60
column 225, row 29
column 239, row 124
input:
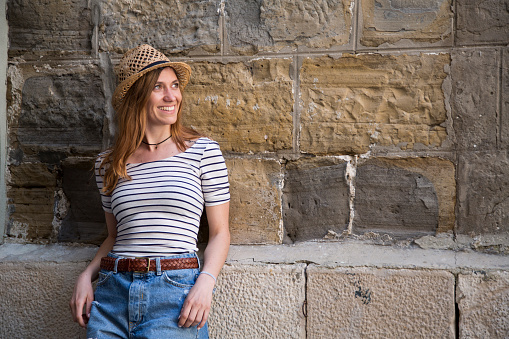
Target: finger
column 184, row 314
column 191, row 319
column 204, row 319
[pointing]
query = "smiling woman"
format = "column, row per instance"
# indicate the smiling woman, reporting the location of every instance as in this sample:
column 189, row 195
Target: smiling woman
column 155, row 183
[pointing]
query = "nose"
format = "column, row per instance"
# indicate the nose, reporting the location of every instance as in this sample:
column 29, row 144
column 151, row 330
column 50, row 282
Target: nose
column 169, row 95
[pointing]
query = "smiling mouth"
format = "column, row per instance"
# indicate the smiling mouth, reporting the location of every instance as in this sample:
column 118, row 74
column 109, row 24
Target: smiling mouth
column 167, row 109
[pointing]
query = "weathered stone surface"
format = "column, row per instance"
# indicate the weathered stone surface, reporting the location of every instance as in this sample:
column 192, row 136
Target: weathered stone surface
column 35, row 300
column 353, row 103
column 394, row 200
column 269, row 25
column 315, row 199
column 474, row 98
column 170, row 26
column 255, row 207
column 421, row 21
column 49, row 25
column 31, row 194
column 82, row 217
column 259, row 301
column 482, row 21
column 483, row 302
column 504, row 128
column 381, row 303
column 60, row 112
column 405, row 196
column 483, row 186
column 245, row 107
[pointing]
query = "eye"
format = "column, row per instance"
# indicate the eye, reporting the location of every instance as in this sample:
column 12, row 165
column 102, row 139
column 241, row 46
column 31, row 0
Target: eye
column 157, row 86
column 175, row 85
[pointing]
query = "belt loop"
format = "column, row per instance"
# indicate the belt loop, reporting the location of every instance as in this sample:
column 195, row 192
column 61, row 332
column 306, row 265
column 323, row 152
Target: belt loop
column 158, row 266
column 199, row 264
column 116, row 265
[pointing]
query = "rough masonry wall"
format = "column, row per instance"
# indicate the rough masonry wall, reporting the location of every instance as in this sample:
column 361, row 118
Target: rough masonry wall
column 379, row 121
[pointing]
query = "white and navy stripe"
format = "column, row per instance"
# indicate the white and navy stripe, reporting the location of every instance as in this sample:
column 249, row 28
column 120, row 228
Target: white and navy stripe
column 158, row 211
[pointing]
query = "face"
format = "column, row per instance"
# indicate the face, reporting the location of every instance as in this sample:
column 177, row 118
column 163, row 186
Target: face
column 165, row 99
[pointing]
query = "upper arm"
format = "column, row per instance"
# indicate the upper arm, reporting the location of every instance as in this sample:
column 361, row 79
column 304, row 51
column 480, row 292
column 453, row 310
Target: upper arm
column 217, row 217
column 111, row 224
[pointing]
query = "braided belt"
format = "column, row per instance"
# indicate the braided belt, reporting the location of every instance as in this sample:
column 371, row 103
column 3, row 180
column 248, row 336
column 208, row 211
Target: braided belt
column 143, row 265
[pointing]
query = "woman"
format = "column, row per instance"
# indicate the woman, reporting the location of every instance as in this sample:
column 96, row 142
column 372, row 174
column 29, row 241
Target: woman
column 154, row 183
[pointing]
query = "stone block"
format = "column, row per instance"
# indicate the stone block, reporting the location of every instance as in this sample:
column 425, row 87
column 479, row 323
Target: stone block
column 81, row 217
column 244, row 106
column 483, row 187
column 31, row 196
column 405, row 197
column 60, row 113
column 255, row 207
column 170, row 26
column 480, row 21
column 49, row 25
column 475, row 80
column 259, row 301
column 315, row 199
column 356, row 102
column 422, row 22
column 483, row 302
column 254, row 26
column 379, row 303
column 35, row 300
column 504, row 128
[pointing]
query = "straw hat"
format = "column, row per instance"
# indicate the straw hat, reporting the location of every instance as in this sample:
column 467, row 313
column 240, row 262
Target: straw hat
column 140, row 60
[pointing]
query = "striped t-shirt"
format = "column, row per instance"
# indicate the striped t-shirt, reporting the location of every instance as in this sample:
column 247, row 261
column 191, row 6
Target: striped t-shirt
column 158, row 211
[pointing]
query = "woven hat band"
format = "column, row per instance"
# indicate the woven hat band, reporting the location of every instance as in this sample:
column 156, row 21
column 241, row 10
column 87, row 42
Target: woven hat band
column 153, row 64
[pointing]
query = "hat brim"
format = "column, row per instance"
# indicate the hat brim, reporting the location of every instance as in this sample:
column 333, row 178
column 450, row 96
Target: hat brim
column 182, row 71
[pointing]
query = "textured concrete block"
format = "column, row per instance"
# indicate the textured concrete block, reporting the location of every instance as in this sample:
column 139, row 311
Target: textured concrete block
column 245, row 107
column 405, row 197
column 35, row 300
column 60, row 112
column 353, row 103
column 483, row 302
column 170, row 26
column 483, row 187
column 49, row 25
column 31, row 196
column 474, row 98
column 255, row 207
column 420, row 21
column 315, row 199
column 379, row 303
column 271, row 25
column 481, row 21
column 259, row 301
column 79, row 215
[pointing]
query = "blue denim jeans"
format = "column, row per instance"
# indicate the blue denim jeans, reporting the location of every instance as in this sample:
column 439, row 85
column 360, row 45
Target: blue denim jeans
column 142, row 305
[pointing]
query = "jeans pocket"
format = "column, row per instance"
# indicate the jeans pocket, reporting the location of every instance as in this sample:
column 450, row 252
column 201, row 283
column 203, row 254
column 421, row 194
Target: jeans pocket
column 103, row 277
column 181, row 278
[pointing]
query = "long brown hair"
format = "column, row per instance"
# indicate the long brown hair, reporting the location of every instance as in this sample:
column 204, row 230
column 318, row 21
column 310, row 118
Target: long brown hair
column 131, row 124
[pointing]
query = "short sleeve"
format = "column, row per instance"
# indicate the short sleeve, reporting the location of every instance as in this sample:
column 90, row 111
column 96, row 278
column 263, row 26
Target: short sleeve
column 99, row 175
column 214, row 176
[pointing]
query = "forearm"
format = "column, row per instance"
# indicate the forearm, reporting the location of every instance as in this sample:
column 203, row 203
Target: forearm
column 216, row 252
column 93, row 268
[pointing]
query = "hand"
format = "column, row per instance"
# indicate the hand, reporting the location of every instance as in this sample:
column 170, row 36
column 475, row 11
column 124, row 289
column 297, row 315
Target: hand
column 197, row 304
column 82, row 296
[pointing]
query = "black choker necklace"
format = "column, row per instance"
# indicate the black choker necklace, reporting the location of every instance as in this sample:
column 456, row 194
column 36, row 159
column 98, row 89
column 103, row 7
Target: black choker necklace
column 159, row 143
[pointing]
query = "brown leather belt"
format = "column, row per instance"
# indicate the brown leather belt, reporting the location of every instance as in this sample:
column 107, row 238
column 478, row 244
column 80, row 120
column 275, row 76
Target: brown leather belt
column 147, row 264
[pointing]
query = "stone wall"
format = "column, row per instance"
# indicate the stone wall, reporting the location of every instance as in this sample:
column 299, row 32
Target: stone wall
column 343, row 123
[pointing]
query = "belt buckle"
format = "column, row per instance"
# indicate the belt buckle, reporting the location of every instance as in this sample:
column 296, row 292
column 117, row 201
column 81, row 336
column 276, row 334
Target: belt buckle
column 148, row 265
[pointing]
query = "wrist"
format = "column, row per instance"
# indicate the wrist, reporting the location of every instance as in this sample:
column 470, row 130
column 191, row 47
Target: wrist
column 208, row 274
